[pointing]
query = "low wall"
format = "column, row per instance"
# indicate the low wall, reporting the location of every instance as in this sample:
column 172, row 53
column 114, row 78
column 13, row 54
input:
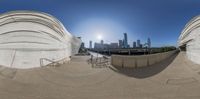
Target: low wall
column 139, row 61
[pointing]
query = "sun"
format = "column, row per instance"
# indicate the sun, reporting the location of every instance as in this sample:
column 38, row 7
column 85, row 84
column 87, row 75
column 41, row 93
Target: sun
column 99, row 37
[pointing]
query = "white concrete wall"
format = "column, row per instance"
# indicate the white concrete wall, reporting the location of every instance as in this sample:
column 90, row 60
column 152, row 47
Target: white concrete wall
column 193, row 50
column 26, row 37
column 190, row 36
column 125, row 61
column 117, row 60
column 129, row 62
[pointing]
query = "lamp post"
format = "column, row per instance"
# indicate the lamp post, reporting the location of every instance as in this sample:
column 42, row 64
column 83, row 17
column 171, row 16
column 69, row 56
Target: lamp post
column 146, row 46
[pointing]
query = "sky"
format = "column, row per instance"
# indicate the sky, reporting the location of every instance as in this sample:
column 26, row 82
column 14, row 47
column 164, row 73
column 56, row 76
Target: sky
column 161, row 20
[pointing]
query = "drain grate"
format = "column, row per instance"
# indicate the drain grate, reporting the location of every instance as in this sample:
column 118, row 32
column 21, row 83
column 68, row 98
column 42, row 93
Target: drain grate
column 178, row 81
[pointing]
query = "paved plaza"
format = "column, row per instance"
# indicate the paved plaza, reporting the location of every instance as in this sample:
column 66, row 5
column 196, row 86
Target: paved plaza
column 174, row 78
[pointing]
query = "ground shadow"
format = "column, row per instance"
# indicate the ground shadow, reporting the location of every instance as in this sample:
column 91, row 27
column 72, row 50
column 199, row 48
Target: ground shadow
column 145, row 72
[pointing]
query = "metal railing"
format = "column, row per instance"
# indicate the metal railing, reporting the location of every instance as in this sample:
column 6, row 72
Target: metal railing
column 99, row 62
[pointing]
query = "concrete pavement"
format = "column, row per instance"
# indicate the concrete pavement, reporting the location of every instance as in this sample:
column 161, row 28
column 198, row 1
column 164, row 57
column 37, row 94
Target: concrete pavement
column 175, row 78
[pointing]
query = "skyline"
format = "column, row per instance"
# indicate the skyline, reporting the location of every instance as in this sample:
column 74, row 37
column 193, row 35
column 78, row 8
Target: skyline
column 121, row 43
column 160, row 20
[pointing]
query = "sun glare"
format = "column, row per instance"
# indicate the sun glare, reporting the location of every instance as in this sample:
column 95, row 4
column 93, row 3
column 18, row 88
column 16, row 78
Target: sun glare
column 99, row 37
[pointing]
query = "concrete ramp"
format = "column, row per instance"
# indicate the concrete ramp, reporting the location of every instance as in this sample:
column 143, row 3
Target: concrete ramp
column 77, row 79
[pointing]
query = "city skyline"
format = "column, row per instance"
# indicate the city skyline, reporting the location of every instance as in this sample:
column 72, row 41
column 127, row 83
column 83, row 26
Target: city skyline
column 160, row 20
column 122, row 44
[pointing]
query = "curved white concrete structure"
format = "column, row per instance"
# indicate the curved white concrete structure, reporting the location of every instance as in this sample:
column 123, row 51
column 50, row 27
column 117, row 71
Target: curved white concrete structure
column 27, row 37
column 189, row 39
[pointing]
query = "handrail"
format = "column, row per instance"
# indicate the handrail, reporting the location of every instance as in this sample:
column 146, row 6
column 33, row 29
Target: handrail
column 99, row 61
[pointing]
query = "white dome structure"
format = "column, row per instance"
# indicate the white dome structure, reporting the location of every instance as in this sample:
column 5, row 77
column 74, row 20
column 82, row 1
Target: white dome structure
column 189, row 40
column 28, row 38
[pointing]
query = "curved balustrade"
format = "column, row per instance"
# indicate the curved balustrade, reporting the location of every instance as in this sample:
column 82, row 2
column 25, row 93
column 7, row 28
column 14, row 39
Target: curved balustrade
column 125, row 61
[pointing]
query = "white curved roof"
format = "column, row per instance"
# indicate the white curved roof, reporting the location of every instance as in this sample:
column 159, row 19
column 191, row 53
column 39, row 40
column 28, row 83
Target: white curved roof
column 186, row 35
column 40, row 17
column 30, row 27
column 29, row 37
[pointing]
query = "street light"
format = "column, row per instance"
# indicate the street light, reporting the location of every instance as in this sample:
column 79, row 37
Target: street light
column 146, row 46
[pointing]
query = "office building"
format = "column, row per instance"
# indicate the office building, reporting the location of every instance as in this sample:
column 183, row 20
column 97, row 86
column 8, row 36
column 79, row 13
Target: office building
column 113, row 45
column 138, row 43
column 90, row 45
column 134, row 45
column 141, row 46
column 102, row 42
column 82, row 45
column 98, row 46
column 125, row 41
column 120, row 44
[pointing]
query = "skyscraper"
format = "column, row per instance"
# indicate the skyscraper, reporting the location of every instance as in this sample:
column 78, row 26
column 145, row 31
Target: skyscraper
column 113, row 45
column 90, row 44
column 125, row 41
column 101, row 42
column 120, row 44
column 149, row 42
column 82, row 45
column 138, row 43
column 134, row 44
column 141, row 46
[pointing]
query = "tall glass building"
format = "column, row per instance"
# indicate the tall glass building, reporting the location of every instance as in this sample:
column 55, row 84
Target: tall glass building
column 125, row 40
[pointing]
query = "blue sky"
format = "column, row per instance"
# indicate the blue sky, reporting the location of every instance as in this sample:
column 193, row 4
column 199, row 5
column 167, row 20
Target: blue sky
column 161, row 20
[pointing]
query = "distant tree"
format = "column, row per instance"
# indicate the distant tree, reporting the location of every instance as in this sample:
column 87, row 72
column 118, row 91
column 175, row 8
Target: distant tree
column 167, row 48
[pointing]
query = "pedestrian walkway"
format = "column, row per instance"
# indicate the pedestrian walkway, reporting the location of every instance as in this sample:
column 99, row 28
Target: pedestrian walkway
column 174, row 78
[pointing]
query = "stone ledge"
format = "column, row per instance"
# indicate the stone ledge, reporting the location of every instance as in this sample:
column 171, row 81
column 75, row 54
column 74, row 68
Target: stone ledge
column 124, row 61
